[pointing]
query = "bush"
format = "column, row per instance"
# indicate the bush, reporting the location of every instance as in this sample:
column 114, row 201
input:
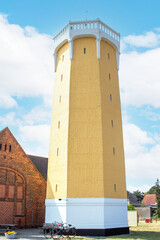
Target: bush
column 131, row 207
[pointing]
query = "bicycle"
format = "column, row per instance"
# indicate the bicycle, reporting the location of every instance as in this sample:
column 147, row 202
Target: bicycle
column 48, row 230
column 64, row 229
column 58, row 230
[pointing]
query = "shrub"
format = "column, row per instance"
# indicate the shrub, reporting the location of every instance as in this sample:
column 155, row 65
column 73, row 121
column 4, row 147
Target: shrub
column 130, row 207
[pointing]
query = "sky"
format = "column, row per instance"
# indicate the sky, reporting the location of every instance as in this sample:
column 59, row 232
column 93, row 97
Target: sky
column 27, row 28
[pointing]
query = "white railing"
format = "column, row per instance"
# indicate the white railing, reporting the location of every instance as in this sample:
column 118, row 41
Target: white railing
column 62, row 32
column 89, row 26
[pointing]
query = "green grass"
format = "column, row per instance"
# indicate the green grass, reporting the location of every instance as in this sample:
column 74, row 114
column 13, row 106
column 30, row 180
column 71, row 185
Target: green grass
column 144, row 231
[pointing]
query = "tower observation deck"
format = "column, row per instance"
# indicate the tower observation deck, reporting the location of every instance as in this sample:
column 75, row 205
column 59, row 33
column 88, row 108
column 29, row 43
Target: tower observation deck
column 86, row 184
column 95, row 28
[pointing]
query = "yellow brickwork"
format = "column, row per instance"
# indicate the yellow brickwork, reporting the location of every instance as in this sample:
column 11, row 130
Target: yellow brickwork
column 57, row 165
column 90, row 161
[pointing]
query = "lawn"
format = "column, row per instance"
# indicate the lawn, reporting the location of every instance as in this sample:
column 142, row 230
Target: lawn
column 144, row 231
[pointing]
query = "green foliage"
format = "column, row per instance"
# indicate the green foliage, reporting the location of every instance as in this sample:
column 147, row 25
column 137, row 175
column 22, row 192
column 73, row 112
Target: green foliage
column 152, row 190
column 139, row 195
column 155, row 215
column 157, row 185
column 130, row 207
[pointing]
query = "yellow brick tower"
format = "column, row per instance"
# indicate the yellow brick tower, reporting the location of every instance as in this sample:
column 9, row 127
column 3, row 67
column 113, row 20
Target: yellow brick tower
column 86, row 172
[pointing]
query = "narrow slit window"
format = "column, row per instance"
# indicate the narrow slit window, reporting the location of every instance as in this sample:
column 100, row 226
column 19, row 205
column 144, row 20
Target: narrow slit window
column 108, row 56
column 57, row 151
column 59, row 99
column 84, row 50
column 110, row 97
column 109, row 76
column 62, row 58
column 115, row 187
column 56, row 188
column 0, row 146
column 61, row 77
column 10, row 148
column 113, row 151
column 58, row 124
column 5, row 147
column 112, row 123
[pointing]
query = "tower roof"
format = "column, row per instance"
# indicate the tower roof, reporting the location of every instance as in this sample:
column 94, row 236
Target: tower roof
column 95, row 28
column 91, row 28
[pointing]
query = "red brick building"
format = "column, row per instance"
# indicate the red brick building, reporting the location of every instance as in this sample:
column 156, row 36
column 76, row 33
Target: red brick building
column 22, row 186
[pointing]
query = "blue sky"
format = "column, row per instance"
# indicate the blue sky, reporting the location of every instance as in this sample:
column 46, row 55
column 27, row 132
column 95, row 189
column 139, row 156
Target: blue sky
column 27, row 76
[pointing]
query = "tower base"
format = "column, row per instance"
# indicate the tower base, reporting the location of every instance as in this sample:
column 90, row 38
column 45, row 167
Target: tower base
column 90, row 216
column 102, row 232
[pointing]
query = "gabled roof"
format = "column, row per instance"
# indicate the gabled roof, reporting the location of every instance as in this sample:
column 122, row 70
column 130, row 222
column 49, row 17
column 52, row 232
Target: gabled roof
column 133, row 199
column 2, row 132
column 149, row 199
column 41, row 163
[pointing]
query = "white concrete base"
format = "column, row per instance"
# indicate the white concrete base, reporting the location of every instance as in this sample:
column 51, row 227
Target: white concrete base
column 88, row 213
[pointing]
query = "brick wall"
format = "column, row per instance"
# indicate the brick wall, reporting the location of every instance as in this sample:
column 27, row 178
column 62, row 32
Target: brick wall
column 25, row 186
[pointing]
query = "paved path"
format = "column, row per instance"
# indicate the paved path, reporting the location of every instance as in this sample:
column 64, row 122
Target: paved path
column 37, row 234
column 27, row 234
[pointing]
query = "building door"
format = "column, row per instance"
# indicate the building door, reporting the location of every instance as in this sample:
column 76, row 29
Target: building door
column 12, row 197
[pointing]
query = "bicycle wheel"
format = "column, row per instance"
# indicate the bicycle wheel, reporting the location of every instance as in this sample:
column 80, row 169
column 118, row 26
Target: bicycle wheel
column 57, row 233
column 47, row 233
column 66, row 233
column 73, row 232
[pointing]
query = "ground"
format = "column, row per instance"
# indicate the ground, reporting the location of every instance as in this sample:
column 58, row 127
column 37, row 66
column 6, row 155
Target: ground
column 144, row 231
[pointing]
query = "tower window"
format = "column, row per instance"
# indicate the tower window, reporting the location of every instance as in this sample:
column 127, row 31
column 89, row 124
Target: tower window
column 112, row 123
column 62, row 58
column 115, row 187
column 109, row 76
column 0, row 146
column 113, row 151
column 84, row 50
column 5, row 147
column 10, row 148
column 111, row 97
column 108, row 56
column 61, row 77
column 56, row 188
column 58, row 124
column 57, row 151
column 59, row 99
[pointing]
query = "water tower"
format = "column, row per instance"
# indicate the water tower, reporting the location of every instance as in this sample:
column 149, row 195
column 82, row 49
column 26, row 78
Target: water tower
column 86, row 172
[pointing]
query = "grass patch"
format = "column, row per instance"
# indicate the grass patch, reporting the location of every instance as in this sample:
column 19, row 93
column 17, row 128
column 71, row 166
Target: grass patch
column 144, row 231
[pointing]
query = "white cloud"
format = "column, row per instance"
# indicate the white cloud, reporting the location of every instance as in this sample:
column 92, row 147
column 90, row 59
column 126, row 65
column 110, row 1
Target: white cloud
column 9, row 120
column 38, row 133
column 147, row 40
column 150, row 114
column 143, row 188
column 7, row 101
column 142, row 151
column 32, row 130
column 26, row 63
column 37, row 115
column 35, row 139
column 140, row 78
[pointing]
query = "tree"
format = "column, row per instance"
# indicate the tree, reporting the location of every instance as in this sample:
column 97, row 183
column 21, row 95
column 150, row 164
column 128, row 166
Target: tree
column 157, row 185
column 139, row 195
column 152, row 190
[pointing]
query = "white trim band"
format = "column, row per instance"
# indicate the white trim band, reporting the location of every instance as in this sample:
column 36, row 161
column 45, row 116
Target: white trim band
column 88, row 213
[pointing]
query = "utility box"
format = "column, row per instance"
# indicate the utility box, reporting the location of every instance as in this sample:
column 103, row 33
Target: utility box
column 132, row 218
